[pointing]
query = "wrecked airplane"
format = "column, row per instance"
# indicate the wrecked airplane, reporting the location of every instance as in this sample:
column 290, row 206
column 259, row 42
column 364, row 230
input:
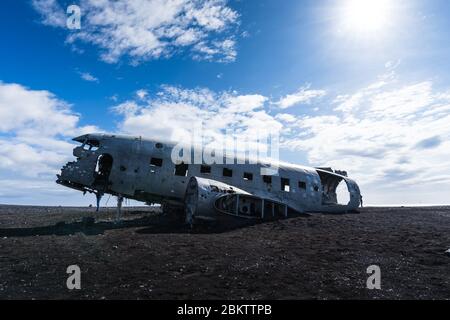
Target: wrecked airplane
column 143, row 170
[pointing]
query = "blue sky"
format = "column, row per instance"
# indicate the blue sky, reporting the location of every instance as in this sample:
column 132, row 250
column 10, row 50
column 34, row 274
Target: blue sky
column 364, row 88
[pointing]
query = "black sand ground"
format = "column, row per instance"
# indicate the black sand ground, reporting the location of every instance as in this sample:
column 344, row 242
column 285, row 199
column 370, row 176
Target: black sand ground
column 316, row 257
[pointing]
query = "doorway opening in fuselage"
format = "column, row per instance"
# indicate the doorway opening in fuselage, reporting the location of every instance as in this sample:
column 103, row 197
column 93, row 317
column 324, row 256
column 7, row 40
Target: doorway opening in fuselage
column 103, row 170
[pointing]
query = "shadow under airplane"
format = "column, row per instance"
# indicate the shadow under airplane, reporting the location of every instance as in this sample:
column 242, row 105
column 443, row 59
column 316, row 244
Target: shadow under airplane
column 159, row 224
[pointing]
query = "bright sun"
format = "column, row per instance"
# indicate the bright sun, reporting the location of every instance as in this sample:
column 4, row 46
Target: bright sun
column 365, row 16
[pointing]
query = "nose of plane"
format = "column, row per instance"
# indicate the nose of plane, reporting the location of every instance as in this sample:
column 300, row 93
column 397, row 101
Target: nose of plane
column 89, row 137
column 81, row 138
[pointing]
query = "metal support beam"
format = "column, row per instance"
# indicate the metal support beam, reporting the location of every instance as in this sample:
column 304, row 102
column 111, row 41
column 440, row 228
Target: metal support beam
column 262, row 208
column 119, row 208
column 98, row 196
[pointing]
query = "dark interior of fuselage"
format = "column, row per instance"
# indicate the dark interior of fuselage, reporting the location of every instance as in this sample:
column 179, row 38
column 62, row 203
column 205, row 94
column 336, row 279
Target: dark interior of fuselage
column 334, row 188
column 103, row 170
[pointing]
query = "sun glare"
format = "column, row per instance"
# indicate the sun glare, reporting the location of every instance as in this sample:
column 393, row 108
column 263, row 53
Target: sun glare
column 365, row 16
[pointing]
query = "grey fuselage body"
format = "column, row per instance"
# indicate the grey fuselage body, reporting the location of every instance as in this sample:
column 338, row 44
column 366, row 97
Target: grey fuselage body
column 131, row 174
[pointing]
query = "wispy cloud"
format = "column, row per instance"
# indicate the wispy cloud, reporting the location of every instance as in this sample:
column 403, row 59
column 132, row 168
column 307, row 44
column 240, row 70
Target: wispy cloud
column 52, row 12
column 141, row 93
column 151, row 29
column 88, row 77
column 304, row 95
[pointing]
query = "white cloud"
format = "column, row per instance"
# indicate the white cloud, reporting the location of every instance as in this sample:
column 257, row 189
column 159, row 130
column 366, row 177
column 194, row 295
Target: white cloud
column 38, row 192
column 244, row 103
column 150, row 29
column 141, row 93
column 393, row 138
column 210, row 51
column 174, row 112
column 53, row 13
column 33, row 112
column 303, row 96
column 34, row 134
column 125, row 108
column 30, row 160
column 285, row 117
column 88, row 77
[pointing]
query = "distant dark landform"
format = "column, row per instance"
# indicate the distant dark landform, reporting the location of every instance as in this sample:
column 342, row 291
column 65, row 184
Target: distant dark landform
column 149, row 256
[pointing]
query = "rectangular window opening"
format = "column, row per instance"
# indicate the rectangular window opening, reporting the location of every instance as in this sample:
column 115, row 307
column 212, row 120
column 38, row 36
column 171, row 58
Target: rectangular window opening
column 248, row 176
column 302, row 185
column 227, row 172
column 267, row 179
column 285, row 184
column 205, row 169
column 156, row 162
column 181, row 169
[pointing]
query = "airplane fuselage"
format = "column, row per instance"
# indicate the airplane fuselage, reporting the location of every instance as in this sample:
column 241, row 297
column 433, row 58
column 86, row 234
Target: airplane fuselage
column 143, row 170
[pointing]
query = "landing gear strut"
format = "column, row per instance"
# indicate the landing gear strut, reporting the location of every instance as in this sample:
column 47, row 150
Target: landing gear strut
column 119, row 208
column 98, row 196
